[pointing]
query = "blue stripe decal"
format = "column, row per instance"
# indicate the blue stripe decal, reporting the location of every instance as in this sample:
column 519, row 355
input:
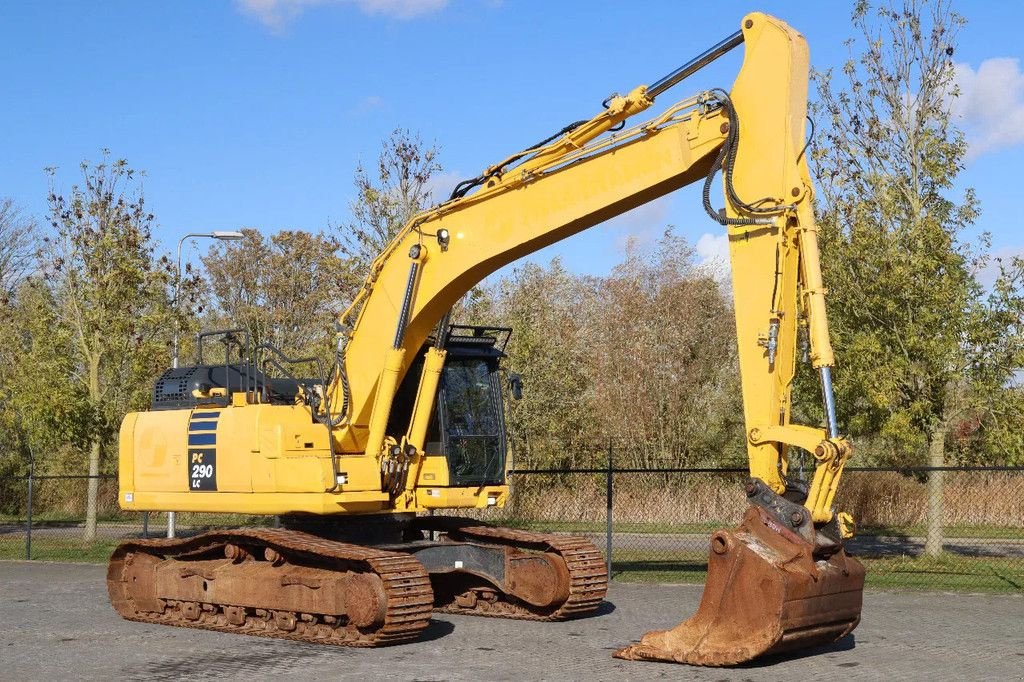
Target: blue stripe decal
column 202, row 426
column 205, row 415
column 202, row 439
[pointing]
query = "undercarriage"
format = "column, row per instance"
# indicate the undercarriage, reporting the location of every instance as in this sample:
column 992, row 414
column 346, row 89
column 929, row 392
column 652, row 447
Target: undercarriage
column 313, row 586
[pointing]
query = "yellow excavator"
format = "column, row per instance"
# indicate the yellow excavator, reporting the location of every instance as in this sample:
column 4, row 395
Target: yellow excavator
column 408, row 419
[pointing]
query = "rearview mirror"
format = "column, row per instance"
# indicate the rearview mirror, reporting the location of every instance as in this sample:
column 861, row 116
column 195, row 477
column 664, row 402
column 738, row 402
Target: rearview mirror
column 515, row 386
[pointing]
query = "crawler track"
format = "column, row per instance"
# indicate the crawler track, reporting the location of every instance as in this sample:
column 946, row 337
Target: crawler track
column 588, row 575
column 406, row 588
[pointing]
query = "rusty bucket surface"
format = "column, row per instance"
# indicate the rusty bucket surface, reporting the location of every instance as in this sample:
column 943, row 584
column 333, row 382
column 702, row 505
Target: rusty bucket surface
column 765, row 594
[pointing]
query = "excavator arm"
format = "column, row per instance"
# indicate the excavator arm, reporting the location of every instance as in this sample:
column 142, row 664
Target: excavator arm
column 587, row 175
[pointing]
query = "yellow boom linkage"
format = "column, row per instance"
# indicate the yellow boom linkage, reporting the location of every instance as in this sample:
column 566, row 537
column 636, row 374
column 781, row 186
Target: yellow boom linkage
column 569, row 186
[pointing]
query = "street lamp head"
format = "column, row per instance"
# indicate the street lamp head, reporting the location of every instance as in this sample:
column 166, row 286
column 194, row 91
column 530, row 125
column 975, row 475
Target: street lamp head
column 220, row 235
column 228, row 236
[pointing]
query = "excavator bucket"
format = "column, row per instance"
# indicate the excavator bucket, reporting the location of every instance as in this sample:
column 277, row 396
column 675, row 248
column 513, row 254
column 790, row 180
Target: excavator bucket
column 766, row 593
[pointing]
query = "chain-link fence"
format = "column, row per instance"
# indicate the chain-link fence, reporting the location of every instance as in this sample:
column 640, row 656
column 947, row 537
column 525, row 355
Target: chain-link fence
column 653, row 523
column 46, row 518
column 964, row 531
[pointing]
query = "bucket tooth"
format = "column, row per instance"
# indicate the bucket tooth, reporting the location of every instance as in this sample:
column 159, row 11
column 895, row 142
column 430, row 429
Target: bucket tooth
column 766, row 593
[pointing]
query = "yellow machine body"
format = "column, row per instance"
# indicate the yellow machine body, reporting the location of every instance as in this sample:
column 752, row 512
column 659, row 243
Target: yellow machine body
column 266, row 459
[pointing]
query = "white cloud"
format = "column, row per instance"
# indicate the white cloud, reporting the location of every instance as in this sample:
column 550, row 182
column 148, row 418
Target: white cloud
column 369, row 103
column 713, row 257
column 990, row 108
column 277, row 14
column 988, row 274
column 274, row 14
column 713, row 248
column 640, row 226
column 651, row 215
column 400, row 9
column 439, row 187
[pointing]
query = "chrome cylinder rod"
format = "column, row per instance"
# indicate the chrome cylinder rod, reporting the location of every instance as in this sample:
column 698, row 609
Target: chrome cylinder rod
column 828, row 399
column 410, row 290
column 694, row 65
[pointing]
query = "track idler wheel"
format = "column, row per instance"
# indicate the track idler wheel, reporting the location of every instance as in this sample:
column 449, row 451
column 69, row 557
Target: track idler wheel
column 366, row 601
column 765, row 594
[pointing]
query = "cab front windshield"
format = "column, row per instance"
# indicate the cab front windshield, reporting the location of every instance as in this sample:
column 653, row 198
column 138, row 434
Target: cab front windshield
column 472, row 417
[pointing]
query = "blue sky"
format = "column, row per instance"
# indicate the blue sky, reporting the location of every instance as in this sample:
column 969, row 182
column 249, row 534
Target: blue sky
column 254, row 113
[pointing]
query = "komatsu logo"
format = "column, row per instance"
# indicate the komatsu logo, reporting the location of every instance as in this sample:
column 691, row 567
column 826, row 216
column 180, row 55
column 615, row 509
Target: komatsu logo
column 202, row 451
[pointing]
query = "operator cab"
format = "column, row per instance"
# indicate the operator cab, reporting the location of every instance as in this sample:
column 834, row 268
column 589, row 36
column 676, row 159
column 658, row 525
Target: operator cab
column 468, row 425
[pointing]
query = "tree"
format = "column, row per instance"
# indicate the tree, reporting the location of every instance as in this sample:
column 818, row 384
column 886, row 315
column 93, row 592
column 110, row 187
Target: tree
column 921, row 341
column 285, row 290
column 663, row 359
column 111, row 298
column 645, row 355
column 547, row 309
column 40, row 404
column 387, row 199
column 17, row 247
column 17, row 250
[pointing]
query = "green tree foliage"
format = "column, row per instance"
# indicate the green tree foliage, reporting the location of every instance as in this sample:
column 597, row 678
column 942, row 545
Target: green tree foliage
column 925, row 347
column 663, row 359
column 921, row 341
column 285, row 290
column 109, row 296
column 644, row 356
column 389, row 195
column 17, row 251
column 547, row 308
column 43, row 412
column 17, row 247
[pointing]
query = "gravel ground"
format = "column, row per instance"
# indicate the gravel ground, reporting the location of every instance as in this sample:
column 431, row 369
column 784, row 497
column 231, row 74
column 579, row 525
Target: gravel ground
column 55, row 623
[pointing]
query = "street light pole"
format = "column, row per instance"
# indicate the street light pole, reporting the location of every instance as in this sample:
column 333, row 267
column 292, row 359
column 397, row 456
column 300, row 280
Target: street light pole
column 221, row 236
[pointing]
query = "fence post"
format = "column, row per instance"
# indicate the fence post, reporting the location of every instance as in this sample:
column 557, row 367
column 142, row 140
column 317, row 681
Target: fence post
column 28, row 517
column 933, row 543
column 145, row 524
column 608, row 511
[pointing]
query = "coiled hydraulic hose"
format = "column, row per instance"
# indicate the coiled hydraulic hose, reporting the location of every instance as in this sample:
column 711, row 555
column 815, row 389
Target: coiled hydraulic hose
column 726, row 160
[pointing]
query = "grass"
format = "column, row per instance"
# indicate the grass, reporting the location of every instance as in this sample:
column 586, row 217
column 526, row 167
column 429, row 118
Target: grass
column 623, row 527
column 977, row 532
column 58, row 517
column 190, row 519
column 198, row 520
column 60, row 549
column 946, row 573
column 976, row 504
column 638, row 566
